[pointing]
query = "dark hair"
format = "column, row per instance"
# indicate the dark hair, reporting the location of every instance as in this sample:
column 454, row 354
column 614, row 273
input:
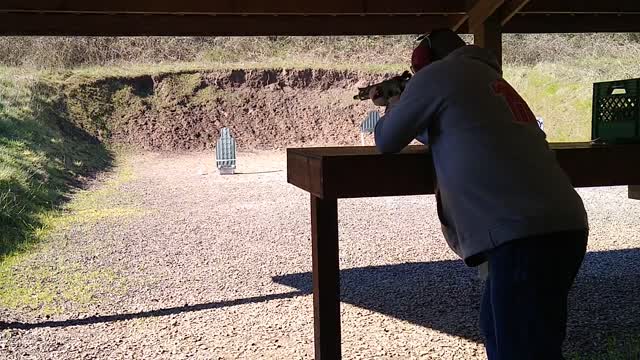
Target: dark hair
column 442, row 42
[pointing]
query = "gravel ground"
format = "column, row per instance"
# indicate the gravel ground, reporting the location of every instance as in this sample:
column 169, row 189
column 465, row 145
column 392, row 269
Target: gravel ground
column 217, row 267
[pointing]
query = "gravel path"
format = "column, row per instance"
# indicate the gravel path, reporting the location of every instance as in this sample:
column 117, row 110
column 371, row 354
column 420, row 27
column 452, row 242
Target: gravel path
column 217, row 267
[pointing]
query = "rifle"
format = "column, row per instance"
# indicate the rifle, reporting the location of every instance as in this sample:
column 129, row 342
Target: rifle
column 388, row 88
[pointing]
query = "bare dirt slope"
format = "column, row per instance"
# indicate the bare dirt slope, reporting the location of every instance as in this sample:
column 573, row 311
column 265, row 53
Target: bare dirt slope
column 210, row 267
column 265, row 109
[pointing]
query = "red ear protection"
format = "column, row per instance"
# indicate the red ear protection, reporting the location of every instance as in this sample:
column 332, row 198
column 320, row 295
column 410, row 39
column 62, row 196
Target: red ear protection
column 421, row 56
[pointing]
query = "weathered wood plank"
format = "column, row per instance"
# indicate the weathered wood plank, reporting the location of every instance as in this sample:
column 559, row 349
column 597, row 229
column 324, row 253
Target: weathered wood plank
column 382, row 175
column 61, row 24
column 364, row 172
column 283, row 7
column 278, row 7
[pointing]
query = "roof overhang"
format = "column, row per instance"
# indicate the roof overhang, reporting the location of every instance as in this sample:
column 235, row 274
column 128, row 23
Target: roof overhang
column 290, row 17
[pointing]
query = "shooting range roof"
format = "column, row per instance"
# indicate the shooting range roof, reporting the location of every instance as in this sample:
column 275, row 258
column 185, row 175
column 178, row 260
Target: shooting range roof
column 295, row 17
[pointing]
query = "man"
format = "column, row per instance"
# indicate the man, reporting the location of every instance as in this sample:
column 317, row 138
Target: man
column 502, row 197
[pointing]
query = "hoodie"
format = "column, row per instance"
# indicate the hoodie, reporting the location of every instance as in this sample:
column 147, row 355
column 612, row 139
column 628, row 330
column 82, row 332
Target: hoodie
column 497, row 178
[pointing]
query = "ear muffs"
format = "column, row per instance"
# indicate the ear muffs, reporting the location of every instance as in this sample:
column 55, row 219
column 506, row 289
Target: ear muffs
column 422, row 55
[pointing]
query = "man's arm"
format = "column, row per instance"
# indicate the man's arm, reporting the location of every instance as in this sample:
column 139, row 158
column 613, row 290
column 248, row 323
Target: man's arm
column 408, row 118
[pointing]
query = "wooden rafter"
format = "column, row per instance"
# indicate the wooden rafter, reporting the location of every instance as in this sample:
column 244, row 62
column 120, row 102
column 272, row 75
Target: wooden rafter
column 220, row 25
column 240, row 7
column 457, row 25
column 294, row 17
column 510, row 9
column 295, row 7
column 481, row 11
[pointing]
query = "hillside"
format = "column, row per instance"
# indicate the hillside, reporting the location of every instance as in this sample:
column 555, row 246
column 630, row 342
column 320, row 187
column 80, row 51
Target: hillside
column 64, row 102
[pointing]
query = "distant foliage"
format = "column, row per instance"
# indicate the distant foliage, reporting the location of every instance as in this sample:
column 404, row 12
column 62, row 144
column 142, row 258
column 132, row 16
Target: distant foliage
column 521, row 49
column 71, row 52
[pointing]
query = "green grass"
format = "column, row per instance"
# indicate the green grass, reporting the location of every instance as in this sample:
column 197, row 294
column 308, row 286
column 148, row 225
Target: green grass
column 627, row 348
column 563, row 102
column 42, row 154
column 94, row 205
column 48, row 287
column 562, row 92
column 90, row 73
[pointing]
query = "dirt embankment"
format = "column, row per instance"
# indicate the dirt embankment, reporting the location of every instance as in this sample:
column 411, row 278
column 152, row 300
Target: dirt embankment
column 264, row 109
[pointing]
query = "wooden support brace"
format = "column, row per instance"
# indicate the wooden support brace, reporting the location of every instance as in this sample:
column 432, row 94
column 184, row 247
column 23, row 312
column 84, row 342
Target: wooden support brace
column 481, row 11
column 510, row 9
column 489, row 36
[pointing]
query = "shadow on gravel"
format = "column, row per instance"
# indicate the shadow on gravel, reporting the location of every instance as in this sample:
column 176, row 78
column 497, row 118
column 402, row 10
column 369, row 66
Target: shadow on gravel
column 151, row 313
column 445, row 296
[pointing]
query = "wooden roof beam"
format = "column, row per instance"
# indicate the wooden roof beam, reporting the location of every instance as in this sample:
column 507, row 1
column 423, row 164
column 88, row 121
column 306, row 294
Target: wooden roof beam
column 239, row 7
column 219, row 25
column 481, row 11
column 510, row 9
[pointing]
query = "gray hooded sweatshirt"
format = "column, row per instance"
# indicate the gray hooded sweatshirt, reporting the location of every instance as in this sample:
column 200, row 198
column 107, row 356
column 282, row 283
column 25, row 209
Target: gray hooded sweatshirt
column 497, row 178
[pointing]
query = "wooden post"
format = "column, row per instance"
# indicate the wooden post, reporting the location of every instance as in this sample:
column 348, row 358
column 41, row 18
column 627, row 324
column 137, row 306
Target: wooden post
column 489, row 35
column 326, row 278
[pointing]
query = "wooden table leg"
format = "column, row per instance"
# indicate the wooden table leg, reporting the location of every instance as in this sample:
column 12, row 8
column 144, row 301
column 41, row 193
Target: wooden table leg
column 326, row 278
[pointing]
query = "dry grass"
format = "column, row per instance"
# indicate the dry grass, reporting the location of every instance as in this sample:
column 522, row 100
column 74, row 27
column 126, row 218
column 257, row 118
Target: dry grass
column 353, row 51
column 74, row 52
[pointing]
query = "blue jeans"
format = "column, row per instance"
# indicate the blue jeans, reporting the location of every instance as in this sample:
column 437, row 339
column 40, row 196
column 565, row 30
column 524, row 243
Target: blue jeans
column 524, row 306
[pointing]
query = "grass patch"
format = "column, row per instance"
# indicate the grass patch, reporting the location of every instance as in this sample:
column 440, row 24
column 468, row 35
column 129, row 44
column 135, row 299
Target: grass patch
column 42, row 155
column 627, row 348
column 50, row 287
column 564, row 103
column 209, row 95
column 89, row 73
column 561, row 91
column 94, row 205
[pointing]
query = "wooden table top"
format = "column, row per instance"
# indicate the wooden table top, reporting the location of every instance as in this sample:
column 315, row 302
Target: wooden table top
column 362, row 171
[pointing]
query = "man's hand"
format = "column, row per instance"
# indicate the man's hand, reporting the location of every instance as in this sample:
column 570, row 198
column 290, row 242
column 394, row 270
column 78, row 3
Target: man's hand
column 393, row 100
column 375, row 94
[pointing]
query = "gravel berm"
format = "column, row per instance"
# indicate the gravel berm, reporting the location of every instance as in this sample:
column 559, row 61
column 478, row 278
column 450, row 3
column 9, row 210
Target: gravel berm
column 218, row 267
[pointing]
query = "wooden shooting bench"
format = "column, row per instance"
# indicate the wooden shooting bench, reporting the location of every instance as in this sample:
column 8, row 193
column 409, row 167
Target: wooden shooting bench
column 332, row 173
column 329, row 174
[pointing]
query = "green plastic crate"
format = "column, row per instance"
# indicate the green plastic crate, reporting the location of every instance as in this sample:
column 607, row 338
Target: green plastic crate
column 616, row 111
